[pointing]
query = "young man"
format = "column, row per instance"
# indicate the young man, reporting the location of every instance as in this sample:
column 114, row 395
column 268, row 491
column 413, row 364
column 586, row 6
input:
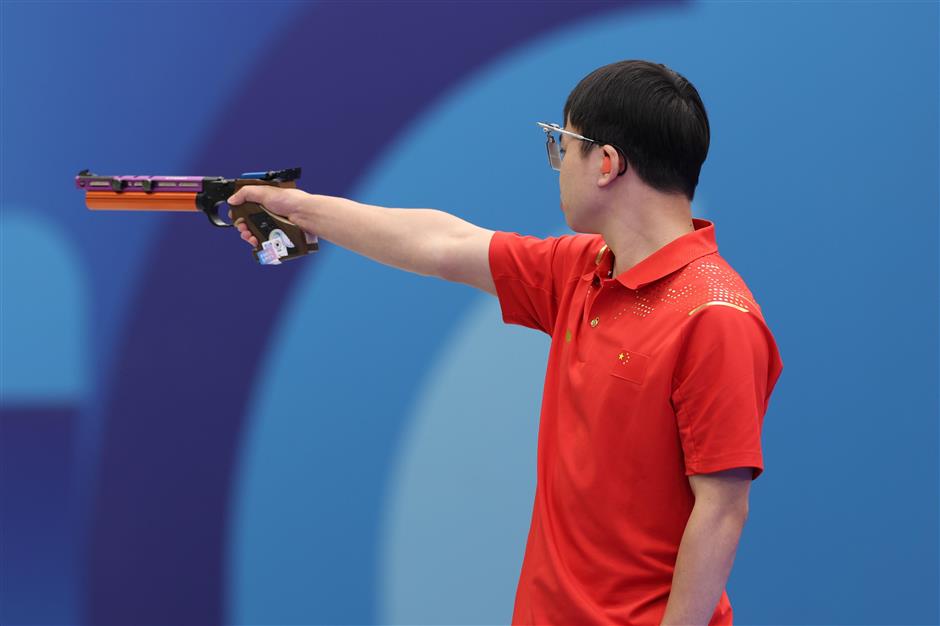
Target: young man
column 660, row 368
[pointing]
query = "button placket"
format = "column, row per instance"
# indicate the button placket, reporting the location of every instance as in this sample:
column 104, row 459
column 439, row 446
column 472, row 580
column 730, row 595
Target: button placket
column 591, row 301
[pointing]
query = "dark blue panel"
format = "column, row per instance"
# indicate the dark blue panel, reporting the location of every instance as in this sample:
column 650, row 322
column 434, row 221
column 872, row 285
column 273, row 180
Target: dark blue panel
column 37, row 534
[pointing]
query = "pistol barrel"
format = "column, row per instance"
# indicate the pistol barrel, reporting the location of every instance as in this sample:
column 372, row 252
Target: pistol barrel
column 133, row 201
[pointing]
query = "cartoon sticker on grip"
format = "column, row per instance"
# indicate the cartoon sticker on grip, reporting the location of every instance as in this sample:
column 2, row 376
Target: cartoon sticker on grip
column 268, row 255
column 281, row 242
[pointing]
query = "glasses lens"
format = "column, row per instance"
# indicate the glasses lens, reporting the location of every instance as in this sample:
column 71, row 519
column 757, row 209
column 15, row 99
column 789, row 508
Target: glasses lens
column 555, row 153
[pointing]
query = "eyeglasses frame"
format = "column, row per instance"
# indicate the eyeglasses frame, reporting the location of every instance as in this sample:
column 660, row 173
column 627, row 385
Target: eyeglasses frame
column 554, row 155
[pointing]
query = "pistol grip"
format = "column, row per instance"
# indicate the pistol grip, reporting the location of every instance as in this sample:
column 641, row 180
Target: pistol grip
column 288, row 241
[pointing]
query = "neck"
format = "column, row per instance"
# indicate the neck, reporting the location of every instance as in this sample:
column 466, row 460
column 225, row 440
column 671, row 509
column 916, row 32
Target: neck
column 644, row 226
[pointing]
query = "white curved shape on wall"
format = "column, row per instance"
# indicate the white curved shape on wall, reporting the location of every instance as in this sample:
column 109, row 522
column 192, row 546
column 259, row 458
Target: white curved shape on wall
column 44, row 313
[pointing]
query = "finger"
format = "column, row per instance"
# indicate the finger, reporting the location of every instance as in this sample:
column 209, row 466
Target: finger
column 248, row 193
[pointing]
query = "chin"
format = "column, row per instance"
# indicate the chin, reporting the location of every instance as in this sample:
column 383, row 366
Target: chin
column 571, row 218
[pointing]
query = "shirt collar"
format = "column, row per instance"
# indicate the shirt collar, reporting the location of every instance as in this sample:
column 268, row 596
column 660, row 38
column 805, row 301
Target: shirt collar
column 673, row 256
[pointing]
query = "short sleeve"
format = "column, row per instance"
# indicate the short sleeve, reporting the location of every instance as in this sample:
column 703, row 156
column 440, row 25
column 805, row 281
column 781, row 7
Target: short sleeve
column 726, row 370
column 530, row 274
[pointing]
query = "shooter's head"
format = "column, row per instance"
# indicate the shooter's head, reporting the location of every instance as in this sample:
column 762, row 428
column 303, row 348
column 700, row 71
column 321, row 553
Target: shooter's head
column 650, row 125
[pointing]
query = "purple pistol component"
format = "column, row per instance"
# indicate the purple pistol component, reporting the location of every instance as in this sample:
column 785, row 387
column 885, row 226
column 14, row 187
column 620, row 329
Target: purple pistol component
column 88, row 181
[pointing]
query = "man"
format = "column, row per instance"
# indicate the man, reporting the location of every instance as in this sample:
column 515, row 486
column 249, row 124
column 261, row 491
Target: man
column 660, row 368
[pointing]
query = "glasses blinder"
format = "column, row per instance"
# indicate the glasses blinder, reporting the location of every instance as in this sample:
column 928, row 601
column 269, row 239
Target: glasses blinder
column 554, row 154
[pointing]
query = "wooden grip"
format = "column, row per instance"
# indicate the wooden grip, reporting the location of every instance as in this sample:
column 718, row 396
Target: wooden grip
column 266, row 226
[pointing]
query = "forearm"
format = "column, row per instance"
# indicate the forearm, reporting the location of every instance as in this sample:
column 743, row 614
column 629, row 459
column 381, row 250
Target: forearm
column 408, row 239
column 703, row 564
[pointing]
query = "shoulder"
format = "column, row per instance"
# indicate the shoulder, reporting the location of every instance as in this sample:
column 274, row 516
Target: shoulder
column 708, row 282
column 569, row 255
column 720, row 315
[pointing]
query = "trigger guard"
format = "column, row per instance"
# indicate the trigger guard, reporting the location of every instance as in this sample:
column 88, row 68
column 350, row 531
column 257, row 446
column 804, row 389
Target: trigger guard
column 213, row 215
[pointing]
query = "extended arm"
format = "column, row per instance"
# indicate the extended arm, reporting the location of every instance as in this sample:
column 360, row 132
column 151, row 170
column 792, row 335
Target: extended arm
column 429, row 242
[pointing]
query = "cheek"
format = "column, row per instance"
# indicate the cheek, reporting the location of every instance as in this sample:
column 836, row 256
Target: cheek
column 567, row 178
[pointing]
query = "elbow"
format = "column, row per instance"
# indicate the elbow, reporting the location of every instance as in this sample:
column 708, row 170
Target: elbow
column 732, row 513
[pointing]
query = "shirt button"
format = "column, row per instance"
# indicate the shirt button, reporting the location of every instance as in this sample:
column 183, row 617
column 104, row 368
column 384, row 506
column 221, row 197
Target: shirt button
column 595, row 322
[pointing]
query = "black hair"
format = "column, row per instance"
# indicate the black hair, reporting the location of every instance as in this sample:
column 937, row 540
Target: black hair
column 649, row 111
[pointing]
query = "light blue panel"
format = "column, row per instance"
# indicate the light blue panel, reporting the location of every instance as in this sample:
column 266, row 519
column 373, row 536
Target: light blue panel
column 44, row 312
column 461, row 491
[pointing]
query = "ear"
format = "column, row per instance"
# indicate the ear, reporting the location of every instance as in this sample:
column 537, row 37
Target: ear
column 611, row 163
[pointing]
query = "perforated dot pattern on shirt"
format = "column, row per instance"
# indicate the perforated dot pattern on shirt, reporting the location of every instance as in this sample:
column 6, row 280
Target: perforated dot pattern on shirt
column 703, row 281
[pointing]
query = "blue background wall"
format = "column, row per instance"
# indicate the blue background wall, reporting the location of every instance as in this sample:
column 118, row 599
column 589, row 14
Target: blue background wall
column 189, row 438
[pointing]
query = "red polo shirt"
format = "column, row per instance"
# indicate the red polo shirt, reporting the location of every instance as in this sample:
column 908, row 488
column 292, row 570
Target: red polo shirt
column 661, row 372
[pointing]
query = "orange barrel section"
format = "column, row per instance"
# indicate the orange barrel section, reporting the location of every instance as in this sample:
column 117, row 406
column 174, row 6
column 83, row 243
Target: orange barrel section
column 134, row 201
